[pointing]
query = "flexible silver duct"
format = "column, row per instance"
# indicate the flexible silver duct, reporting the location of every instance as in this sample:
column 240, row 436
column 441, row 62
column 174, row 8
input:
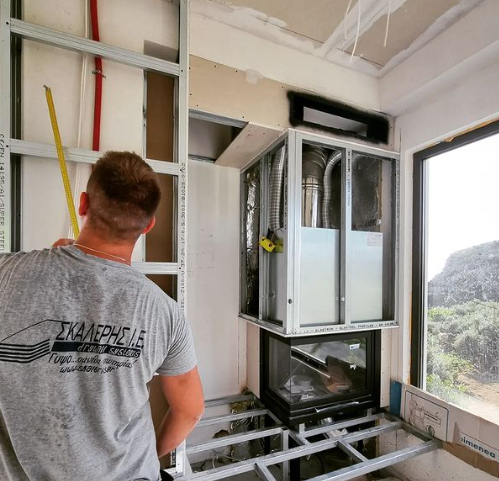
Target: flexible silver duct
column 252, row 232
column 333, row 159
column 276, row 181
column 313, row 165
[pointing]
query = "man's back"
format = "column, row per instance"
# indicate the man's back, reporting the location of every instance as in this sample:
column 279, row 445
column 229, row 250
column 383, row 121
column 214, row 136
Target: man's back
column 80, row 336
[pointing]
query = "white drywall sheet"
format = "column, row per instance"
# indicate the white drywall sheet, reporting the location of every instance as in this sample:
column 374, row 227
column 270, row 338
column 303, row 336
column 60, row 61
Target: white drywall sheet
column 213, row 277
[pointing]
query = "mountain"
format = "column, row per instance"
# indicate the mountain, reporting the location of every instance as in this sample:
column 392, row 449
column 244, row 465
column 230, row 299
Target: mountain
column 470, row 274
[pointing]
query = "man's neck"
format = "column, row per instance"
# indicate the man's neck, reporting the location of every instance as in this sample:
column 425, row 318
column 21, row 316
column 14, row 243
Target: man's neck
column 91, row 243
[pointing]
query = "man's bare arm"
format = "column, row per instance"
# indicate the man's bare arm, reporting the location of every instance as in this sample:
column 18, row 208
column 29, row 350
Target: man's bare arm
column 184, row 394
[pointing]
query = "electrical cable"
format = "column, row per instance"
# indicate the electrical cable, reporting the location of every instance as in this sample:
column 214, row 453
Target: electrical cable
column 81, row 112
column 98, row 78
column 345, row 20
column 387, row 22
column 357, row 34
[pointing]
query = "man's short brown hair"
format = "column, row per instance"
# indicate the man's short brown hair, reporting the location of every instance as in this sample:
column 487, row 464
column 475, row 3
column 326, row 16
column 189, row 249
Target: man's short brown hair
column 123, row 193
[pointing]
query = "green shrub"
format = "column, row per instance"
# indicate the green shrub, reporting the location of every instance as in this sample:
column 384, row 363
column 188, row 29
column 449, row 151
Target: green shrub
column 467, row 332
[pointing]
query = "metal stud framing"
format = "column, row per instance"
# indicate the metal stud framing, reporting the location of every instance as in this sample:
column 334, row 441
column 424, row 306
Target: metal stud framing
column 260, row 465
column 5, row 126
column 10, row 27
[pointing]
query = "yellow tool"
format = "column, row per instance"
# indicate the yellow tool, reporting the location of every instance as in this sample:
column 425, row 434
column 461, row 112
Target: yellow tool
column 267, row 244
column 62, row 162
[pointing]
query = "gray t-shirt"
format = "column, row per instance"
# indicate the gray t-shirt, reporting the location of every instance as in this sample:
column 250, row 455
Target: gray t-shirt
column 80, row 338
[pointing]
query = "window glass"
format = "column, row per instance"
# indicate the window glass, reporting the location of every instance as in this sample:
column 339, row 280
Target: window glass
column 462, row 277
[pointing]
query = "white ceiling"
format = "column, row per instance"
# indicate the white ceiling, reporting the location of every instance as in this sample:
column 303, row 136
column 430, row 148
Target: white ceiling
column 322, row 28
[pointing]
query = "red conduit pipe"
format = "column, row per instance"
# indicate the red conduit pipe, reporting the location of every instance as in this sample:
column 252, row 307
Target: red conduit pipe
column 98, row 78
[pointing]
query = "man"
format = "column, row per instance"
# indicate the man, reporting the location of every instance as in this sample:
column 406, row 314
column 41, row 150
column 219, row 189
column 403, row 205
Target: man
column 81, row 335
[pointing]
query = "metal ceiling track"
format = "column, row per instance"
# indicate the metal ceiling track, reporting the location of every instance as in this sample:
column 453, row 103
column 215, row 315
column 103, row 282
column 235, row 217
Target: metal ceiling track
column 341, row 435
column 13, row 28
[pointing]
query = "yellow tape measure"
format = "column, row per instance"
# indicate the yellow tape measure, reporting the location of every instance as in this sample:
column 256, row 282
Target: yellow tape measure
column 62, row 162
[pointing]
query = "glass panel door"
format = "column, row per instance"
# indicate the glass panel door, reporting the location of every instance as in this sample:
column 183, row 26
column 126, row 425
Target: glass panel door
column 372, row 240
column 320, row 235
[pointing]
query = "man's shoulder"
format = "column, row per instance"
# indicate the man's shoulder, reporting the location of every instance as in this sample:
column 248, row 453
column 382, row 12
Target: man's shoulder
column 17, row 257
column 157, row 294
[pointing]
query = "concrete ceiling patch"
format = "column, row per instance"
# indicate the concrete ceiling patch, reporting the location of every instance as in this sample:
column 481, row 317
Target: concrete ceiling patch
column 440, row 25
column 314, row 19
column 407, row 23
column 370, row 12
column 253, row 21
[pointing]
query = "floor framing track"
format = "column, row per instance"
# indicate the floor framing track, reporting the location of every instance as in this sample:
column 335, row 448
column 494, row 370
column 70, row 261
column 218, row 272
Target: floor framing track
column 335, row 436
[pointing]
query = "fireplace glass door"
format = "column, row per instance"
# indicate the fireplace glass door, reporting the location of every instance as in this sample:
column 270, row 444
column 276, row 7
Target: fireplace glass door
column 310, row 372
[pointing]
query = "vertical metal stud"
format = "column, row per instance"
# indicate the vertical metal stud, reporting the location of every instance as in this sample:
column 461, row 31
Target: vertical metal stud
column 16, row 112
column 182, row 150
column 5, row 127
column 263, row 271
column 293, row 234
column 346, row 228
column 285, row 447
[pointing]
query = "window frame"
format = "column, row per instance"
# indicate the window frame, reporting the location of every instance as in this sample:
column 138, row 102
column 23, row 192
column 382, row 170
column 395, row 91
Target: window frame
column 419, row 241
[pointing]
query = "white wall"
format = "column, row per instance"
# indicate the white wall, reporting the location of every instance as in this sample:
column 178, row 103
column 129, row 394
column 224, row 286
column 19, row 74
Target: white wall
column 213, row 277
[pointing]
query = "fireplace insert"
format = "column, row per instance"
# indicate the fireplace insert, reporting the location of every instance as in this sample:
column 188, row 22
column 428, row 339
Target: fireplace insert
column 313, row 377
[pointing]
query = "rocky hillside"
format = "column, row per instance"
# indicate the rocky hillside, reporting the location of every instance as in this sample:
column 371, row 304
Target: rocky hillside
column 470, row 274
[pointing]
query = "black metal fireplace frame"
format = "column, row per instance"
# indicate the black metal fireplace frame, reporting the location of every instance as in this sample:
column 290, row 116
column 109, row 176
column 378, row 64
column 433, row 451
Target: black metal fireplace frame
column 343, row 404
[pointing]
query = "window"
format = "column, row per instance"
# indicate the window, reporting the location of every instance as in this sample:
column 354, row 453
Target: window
column 455, row 338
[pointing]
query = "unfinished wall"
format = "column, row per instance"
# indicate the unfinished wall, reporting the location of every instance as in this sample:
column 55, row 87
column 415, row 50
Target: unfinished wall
column 261, row 58
column 122, row 102
column 213, row 203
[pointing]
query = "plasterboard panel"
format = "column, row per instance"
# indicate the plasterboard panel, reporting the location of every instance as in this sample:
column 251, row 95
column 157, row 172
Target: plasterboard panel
column 315, row 20
column 230, row 92
column 407, row 23
column 213, row 276
column 252, row 140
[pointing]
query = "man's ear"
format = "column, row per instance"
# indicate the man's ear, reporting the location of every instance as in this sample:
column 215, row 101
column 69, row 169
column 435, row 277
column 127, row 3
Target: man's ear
column 149, row 227
column 83, row 207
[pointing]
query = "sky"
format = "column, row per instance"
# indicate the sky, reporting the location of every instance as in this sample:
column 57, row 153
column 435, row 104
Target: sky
column 463, row 200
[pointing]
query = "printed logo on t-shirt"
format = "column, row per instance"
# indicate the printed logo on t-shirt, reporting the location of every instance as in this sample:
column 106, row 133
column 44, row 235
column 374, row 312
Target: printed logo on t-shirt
column 75, row 346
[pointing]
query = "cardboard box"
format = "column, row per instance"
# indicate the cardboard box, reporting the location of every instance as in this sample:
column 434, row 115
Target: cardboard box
column 465, row 435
